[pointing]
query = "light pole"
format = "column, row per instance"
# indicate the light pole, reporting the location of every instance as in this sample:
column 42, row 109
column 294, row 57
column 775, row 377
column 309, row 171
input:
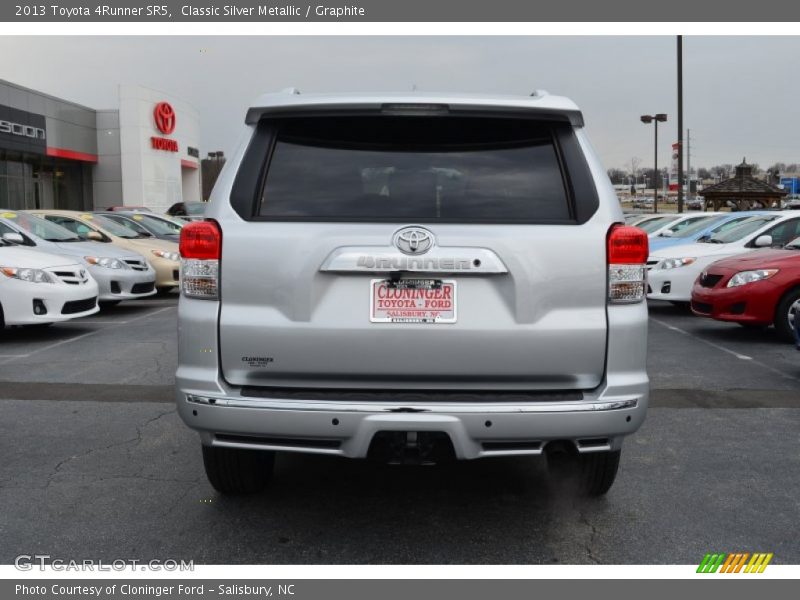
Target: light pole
column 655, row 119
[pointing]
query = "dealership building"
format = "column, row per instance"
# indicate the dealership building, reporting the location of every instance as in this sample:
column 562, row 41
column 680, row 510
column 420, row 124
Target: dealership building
column 58, row 154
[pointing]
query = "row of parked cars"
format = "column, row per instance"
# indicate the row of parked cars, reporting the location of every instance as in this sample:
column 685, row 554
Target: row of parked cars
column 740, row 267
column 57, row 265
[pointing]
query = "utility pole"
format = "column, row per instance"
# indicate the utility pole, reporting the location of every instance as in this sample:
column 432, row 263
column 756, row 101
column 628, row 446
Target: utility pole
column 655, row 119
column 689, row 161
column 680, row 124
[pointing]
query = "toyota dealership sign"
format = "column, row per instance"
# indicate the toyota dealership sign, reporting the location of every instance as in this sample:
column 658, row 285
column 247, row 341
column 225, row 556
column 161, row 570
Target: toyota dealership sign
column 164, row 118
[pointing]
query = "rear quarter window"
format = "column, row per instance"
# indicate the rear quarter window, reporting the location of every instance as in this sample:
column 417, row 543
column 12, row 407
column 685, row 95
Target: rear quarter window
column 423, row 169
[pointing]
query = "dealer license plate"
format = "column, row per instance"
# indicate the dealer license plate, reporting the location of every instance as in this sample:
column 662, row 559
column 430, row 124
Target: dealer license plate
column 412, row 301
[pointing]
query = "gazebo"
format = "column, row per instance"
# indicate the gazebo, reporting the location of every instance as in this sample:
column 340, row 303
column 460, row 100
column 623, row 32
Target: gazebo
column 744, row 191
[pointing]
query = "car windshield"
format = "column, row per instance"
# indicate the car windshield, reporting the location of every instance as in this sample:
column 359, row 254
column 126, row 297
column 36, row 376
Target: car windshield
column 195, row 209
column 794, row 244
column 691, row 225
column 653, row 224
column 43, row 229
column 696, row 227
column 157, row 225
column 743, row 229
column 115, row 228
column 128, row 223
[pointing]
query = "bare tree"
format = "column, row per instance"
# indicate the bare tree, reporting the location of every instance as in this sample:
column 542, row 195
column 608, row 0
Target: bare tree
column 722, row 171
column 634, row 165
column 617, row 176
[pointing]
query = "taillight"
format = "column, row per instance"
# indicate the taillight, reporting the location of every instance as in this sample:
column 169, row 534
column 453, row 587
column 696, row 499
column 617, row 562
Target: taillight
column 201, row 248
column 627, row 257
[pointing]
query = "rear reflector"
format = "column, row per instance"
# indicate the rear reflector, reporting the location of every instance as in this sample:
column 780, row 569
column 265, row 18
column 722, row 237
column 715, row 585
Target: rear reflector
column 201, row 247
column 627, row 251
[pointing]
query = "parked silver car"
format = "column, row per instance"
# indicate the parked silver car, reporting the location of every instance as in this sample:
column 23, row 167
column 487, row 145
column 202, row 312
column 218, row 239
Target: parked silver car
column 120, row 275
column 412, row 278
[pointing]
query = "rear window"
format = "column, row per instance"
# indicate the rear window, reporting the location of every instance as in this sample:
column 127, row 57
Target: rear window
column 419, row 168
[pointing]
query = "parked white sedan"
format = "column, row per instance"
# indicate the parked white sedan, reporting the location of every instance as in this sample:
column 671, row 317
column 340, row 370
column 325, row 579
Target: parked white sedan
column 673, row 270
column 40, row 288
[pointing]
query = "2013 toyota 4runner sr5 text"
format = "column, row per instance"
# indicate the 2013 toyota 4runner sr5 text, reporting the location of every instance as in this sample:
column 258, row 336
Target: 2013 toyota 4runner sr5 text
column 412, row 277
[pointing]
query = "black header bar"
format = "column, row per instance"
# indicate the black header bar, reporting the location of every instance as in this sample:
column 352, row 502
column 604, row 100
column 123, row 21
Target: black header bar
column 459, row 11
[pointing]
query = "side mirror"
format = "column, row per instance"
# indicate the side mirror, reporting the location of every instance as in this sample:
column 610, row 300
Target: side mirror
column 703, row 238
column 14, row 238
column 666, row 233
column 763, row 241
column 94, row 236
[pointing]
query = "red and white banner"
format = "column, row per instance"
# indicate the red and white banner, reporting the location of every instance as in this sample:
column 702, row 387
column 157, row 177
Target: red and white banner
column 673, row 171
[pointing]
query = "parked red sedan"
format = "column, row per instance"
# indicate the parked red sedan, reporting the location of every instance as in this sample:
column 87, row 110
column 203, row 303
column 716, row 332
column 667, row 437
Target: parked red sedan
column 756, row 289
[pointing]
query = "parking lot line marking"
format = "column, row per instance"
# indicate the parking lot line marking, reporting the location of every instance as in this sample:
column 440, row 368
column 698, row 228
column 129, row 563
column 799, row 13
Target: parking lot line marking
column 85, row 335
column 712, row 344
column 82, row 322
column 727, row 350
column 14, row 355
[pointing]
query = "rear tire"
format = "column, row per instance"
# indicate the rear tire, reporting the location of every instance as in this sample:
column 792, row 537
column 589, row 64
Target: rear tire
column 788, row 310
column 598, row 472
column 593, row 474
column 236, row 471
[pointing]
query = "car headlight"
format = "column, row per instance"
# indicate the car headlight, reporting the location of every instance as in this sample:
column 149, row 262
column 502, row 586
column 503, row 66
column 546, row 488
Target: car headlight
column 168, row 255
column 674, row 263
column 105, row 261
column 30, row 275
column 745, row 277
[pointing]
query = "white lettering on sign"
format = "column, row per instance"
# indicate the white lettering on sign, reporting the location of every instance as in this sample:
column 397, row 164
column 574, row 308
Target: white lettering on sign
column 36, row 133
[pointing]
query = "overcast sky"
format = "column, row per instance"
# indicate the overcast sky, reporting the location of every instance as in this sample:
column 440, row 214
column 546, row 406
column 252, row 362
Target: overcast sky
column 741, row 94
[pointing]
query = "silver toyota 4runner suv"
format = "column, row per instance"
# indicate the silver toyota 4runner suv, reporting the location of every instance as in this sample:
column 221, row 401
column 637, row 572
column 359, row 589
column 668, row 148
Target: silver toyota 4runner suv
column 412, row 278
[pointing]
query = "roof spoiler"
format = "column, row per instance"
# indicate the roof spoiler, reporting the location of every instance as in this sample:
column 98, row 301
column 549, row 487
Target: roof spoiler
column 390, row 106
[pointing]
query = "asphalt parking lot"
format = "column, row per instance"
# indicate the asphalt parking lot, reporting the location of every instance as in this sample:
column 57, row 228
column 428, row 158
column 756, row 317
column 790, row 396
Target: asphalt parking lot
column 96, row 464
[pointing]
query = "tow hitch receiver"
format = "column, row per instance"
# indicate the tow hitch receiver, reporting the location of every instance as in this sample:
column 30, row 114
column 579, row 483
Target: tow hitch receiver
column 411, row 447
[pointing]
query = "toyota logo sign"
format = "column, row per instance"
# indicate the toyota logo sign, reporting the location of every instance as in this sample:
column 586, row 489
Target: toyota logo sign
column 413, row 240
column 165, row 117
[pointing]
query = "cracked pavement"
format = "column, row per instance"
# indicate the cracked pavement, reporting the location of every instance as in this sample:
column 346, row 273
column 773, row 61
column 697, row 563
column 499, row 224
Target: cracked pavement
column 96, row 468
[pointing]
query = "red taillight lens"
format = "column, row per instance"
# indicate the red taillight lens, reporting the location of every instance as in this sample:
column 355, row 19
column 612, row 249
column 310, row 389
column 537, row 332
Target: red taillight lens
column 201, row 240
column 627, row 254
column 201, row 247
column 627, row 245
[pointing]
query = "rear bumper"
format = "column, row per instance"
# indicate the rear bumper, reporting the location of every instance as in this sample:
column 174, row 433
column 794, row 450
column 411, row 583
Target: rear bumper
column 595, row 420
column 596, row 423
